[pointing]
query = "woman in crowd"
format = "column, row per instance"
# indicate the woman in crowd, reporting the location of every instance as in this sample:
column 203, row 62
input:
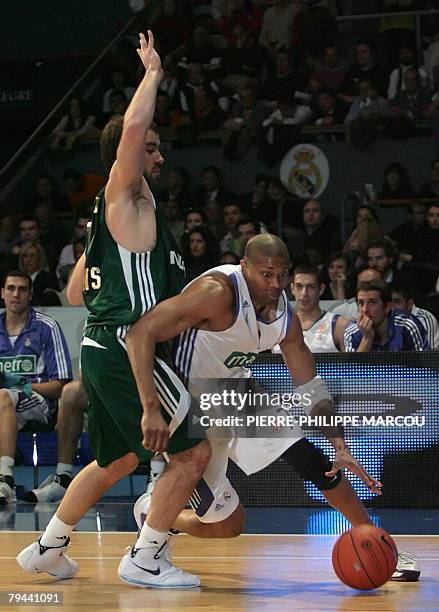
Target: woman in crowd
column 396, row 182
column 200, row 251
column 336, row 278
column 33, row 261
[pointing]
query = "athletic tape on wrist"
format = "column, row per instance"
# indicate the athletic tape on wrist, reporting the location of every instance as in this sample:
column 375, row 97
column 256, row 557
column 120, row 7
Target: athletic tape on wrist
column 312, row 393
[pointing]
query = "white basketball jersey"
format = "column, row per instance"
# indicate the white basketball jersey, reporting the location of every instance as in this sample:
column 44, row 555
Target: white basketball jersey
column 226, row 354
column 319, row 338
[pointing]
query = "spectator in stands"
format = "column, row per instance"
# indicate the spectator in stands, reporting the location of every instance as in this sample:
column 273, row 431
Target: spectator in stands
column 381, row 256
column 333, row 70
column 194, row 217
column 410, row 104
column 426, row 252
column 367, row 231
column 52, row 297
column 201, row 49
column 407, row 59
column 165, row 116
column 67, row 259
column 78, row 124
column 119, row 82
column 336, row 278
column 276, row 25
column 171, row 212
column 29, row 231
column 195, row 79
column 321, row 226
column 330, row 109
column 245, row 118
column 245, row 63
column 255, row 202
column 212, row 188
column 7, row 233
column 396, row 182
column 281, row 129
column 173, row 25
column 280, row 204
column 379, row 328
column 200, row 252
column 247, row 228
column 81, row 189
column 52, row 234
column 322, row 331
column 47, row 193
column 365, row 68
column 229, row 258
column 431, row 189
column 177, row 181
column 239, row 13
column 33, row 261
column 232, row 214
column 207, row 113
column 32, row 346
column 283, row 82
column 408, row 236
column 367, row 113
column 403, row 298
column 118, row 105
column 69, row 424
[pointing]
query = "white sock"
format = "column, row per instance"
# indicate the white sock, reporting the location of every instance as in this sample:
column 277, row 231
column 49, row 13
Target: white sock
column 150, row 538
column 64, row 468
column 56, row 532
column 157, row 467
column 6, row 465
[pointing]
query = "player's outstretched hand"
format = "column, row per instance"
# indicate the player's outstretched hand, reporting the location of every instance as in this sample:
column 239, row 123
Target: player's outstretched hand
column 344, row 459
column 149, row 56
column 155, row 431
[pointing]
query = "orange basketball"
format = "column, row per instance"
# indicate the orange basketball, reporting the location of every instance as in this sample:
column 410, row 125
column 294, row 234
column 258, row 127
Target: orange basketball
column 364, row 557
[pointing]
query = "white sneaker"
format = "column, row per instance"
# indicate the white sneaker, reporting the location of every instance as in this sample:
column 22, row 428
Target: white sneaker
column 407, row 568
column 140, row 511
column 50, row 490
column 7, row 490
column 146, row 568
column 54, row 560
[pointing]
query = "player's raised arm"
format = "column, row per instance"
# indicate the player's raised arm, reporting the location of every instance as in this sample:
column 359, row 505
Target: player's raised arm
column 128, row 169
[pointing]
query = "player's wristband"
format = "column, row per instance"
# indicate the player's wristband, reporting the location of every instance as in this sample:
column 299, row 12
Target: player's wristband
column 312, row 393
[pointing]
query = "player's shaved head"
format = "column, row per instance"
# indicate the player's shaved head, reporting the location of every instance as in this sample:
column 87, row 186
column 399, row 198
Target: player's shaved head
column 266, row 246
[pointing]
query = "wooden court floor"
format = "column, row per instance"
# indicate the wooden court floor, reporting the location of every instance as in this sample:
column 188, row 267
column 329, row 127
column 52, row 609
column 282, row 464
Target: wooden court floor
column 258, row 572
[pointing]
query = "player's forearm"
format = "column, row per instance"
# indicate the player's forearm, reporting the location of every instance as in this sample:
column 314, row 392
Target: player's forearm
column 76, row 283
column 141, row 351
column 365, row 345
column 50, row 389
column 141, row 108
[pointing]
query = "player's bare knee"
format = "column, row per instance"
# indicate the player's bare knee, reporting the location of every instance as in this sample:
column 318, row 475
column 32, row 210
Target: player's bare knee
column 122, row 466
column 200, row 456
column 6, row 404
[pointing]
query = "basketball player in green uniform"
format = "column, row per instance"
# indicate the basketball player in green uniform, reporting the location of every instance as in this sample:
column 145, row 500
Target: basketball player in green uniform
column 131, row 263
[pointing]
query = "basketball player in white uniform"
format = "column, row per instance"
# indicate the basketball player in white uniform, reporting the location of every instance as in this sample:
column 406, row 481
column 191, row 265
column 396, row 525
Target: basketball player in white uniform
column 224, row 319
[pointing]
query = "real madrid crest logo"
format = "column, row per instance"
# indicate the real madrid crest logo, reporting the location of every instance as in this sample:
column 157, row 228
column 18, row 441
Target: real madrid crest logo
column 305, row 171
column 28, row 342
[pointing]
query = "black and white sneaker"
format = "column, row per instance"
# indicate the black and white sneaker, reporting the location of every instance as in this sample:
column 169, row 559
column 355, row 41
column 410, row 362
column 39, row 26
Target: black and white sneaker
column 407, row 568
column 50, row 490
column 37, row 558
column 7, row 490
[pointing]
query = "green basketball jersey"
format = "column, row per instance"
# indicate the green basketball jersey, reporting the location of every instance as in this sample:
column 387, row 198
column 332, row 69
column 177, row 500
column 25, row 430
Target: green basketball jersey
column 119, row 285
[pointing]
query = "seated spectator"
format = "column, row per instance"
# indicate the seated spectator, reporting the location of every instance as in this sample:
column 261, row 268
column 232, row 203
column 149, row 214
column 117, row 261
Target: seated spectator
column 32, row 261
column 322, row 331
column 52, row 234
column 201, row 48
column 410, row 104
column 276, row 26
column 245, row 63
column 46, row 193
column 207, row 114
column 409, row 235
column 336, row 278
column 396, row 182
column 407, row 59
column 119, row 82
column 173, row 25
column 283, row 82
column 255, row 202
column 349, row 308
column 165, row 116
column 81, row 189
column 194, row 80
column 232, row 214
column 379, row 328
column 212, row 187
column 382, row 257
column 52, row 297
column 365, row 68
column 403, row 298
column 169, row 83
column 69, row 424
column 245, row 118
column 67, row 258
column 78, row 124
column 322, row 227
column 171, row 212
column 333, row 70
column 281, row 129
column 431, row 189
column 247, row 228
column 118, row 104
column 229, row 258
column 34, row 348
column 367, row 231
column 28, row 231
column 200, row 252
column 426, row 252
column 177, row 181
column 367, row 113
column 7, row 233
column 239, row 13
column 280, row 204
column 331, row 110
column 194, row 217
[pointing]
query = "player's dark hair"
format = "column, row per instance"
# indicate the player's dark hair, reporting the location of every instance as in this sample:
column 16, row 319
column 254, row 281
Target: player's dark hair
column 375, row 285
column 20, row 274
